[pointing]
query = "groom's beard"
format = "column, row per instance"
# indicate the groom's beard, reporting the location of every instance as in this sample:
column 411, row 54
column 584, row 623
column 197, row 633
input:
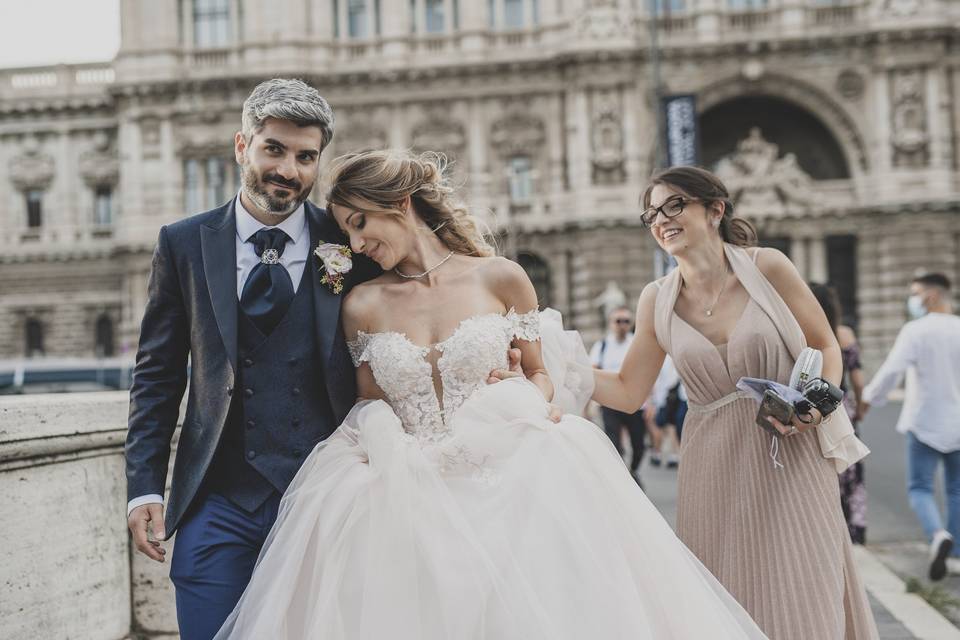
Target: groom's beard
column 257, row 191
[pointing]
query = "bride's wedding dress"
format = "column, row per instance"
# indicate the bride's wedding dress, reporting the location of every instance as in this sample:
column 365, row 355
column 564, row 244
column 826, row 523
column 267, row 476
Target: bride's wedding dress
column 468, row 514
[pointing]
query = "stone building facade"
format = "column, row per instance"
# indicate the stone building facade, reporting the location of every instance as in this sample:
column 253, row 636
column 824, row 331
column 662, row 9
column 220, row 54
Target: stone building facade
column 834, row 122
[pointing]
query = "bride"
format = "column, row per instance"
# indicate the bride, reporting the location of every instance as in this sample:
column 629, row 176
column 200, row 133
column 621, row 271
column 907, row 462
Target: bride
column 447, row 509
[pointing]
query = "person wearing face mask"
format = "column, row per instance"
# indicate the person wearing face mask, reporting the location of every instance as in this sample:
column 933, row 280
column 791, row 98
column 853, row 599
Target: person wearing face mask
column 928, row 348
column 762, row 512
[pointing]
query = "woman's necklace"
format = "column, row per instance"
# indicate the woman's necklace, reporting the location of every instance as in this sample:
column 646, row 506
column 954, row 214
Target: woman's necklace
column 420, row 275
column 709, row 310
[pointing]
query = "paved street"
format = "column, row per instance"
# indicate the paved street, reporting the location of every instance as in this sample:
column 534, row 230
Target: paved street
column 893, row 535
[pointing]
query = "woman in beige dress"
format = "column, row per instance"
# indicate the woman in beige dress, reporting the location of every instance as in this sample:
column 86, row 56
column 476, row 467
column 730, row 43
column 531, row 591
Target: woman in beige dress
column 761, row 512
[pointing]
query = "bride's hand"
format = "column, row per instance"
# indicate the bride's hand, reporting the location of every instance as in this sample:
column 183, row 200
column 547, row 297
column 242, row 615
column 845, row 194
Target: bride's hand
column 515, row 370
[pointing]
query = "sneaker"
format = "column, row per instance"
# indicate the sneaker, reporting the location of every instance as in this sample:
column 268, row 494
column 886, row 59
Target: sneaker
column 654, row 459
column 940, row 550
column 673, row 461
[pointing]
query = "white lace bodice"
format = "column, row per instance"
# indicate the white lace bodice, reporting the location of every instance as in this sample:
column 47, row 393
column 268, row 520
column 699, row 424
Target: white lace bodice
column 401, row 368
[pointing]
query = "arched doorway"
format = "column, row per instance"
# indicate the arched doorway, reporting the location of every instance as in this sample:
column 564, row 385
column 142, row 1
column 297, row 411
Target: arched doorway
column 539, row 273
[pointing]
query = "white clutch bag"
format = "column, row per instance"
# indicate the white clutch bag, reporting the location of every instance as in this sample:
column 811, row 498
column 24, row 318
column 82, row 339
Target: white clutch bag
column 809, row 365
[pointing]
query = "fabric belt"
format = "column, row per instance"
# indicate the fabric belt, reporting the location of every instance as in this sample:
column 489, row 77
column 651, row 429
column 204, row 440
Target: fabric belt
column 716, row 404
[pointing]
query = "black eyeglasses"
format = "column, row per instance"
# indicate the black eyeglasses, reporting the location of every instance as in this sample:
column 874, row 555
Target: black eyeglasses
column 670, row 209
column 622, row 320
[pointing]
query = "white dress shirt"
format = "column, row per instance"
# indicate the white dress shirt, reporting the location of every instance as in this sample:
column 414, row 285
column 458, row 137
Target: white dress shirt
column 928, row 351
column 294, row 260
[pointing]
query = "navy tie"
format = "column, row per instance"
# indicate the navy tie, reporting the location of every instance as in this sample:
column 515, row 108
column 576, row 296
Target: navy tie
column 268, row 291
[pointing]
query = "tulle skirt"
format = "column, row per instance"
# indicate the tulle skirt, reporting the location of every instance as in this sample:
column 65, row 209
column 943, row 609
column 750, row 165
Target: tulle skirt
column 513, row 528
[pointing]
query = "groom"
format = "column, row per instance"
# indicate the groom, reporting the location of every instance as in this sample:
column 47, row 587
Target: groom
column 239, row 291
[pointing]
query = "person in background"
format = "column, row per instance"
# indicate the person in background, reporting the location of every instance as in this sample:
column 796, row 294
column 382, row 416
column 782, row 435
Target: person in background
column 670, row 399
column 929, row 347
column 608, row 354
column 853, row 490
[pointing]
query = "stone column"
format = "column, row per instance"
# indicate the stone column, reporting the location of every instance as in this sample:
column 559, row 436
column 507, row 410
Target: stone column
column 817, row 265
column 798, row 255
column 473, row 25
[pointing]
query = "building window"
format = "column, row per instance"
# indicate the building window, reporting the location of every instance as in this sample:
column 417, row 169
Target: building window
column 539, row 273
column 433, row 19
column 215, row 182
column 103, row 340
column 520, row 178
column 191, row 186
column 34, row 208
column 747, row 5
column 666, row 7
column 361, row 18
column 34, row 336
column 103, row 205
column 513, row 14
column 211, row 23
column 208, row 182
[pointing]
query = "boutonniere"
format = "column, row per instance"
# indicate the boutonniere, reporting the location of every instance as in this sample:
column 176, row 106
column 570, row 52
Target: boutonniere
column 337, row 262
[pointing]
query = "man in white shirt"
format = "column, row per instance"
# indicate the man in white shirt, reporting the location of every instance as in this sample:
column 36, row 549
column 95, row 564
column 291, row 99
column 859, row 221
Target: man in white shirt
column 928, row 351
column 609, row 353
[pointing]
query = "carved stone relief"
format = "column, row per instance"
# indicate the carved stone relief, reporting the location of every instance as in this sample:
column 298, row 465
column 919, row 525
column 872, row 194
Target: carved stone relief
column 909, row 121
column 100, row 166
column 518, row 133
column 604, row 20
column 32, row 168
column 358, row 132
column 762, row 183
column 850, row 84
column 606, row 139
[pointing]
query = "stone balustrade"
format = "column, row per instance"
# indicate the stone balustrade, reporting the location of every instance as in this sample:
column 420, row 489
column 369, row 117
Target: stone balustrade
column 67, row 568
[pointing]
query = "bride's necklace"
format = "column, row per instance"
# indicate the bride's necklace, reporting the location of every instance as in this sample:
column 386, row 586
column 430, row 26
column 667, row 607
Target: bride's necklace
column 420, row 275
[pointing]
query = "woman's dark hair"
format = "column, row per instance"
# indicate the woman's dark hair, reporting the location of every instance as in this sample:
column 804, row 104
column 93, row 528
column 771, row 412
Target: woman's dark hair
column 828, row 299
column 703, row 185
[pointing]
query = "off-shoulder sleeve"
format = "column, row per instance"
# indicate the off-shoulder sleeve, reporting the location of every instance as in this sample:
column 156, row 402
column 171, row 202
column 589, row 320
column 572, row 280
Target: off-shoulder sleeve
column 526, row 326
column 358, row 348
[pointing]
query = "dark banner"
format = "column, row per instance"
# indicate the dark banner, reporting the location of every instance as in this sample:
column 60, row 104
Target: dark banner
column 682, row 135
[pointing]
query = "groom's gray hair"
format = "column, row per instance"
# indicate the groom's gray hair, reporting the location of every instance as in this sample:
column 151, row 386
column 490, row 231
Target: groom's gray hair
column 287, row 99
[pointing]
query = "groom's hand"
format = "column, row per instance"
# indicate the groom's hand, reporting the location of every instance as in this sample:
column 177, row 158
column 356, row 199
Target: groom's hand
column 515, row 370
column 138, row 521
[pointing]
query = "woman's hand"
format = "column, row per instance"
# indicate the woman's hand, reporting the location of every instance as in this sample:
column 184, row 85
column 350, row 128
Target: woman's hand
column 555, row 412
column 799, row 424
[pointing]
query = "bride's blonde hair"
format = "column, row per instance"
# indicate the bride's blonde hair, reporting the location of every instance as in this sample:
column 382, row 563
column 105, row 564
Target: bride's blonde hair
column 386, row 178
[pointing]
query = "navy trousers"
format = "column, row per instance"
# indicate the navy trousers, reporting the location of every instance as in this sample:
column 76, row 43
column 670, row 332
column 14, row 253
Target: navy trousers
column 214, row 554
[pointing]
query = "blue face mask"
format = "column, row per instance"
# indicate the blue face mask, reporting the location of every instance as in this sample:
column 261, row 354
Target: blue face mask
column 915, row 307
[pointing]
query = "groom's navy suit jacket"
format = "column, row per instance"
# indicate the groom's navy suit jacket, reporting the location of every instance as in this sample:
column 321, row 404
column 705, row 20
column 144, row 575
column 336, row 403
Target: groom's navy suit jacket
column 192, row 311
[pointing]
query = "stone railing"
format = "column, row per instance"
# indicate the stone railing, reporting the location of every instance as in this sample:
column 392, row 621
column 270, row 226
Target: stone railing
column 67, row 569
column 61, row 80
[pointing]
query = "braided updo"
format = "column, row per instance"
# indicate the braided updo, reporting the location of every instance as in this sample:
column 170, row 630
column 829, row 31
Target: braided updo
column 386, row 178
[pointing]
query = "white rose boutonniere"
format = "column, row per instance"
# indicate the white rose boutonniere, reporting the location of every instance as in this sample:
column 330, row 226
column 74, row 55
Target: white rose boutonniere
column 337, row 261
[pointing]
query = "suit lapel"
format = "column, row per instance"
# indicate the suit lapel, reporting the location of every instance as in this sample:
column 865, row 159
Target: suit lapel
column 326, row 303
column 219, row 248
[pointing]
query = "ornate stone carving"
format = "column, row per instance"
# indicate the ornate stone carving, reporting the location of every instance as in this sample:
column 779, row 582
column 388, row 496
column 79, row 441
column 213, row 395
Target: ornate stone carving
column 439, row 133
column 901, row 8
column 100, row 166
column 763, row 184
column 359, row 132
column 518, row 134
column 603, row 20
column 909, row 121
column 850, row 84
column 32, row 169
column 606, row 139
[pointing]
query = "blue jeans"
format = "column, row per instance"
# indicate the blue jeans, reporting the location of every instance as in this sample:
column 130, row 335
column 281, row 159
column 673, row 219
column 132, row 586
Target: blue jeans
column 213, row 557
column 921, row 467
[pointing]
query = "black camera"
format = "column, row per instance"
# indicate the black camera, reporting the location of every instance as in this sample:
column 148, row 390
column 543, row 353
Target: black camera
column 820, row 394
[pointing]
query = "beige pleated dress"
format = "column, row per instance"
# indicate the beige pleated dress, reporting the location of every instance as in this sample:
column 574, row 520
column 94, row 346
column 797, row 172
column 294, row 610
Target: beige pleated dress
column 774, row 537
